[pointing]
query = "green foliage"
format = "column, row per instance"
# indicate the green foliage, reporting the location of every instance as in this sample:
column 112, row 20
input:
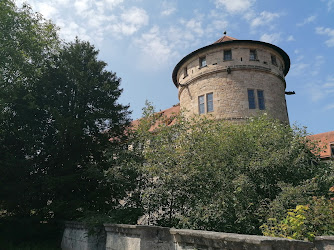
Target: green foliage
column 216, row 175
column 305, row 221
column 58, row 111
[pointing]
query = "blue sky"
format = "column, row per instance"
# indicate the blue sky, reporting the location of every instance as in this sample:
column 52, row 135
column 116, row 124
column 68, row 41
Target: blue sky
column 143, row 40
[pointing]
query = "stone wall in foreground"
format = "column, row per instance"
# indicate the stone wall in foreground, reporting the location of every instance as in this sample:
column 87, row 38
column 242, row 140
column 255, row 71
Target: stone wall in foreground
column 136, row 237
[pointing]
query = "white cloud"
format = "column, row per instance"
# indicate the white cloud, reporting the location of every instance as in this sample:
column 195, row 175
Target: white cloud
column 264, row 18
column 193, row 25
column 110, row 4
column 62, row 2
column 155, row 49
column 82, row 6
column 330, row 106
column 129, row 22
column 273, row 38
column 70, row 29
column 135, row 16
column 316, row 66
column 330, row 5
column 326, row 31
column 290, row 38
column 308, row 20
column 47, row 10
column 319, row 91
column 329, row 83
column 168, row 8
column 299, row 68
column 235, row 6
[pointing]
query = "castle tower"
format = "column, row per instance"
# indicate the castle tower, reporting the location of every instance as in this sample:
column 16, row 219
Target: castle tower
column 234, row 79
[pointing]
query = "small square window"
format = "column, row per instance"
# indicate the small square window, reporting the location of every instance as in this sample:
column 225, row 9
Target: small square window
column 251, row 99
column 227, row 55
column 202, row 62
column 260, row 98
column 273, row 60
column 252, row 55
column 209, row 102
column 201, row 107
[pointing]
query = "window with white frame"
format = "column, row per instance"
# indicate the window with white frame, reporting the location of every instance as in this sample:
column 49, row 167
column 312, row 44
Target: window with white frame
column 201, row 104
column 205, row 103
column 209, row 102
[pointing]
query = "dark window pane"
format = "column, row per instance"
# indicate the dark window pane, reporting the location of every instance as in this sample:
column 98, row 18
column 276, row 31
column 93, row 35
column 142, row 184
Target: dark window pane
column 260, row 97
column 273, row 60
column 202, row 62
column 252, row 55
column 227, row 55
column 251, row 99
column 209, row 100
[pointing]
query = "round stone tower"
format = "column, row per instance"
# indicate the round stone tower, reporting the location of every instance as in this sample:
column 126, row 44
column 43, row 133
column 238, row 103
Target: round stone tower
column 234, row 79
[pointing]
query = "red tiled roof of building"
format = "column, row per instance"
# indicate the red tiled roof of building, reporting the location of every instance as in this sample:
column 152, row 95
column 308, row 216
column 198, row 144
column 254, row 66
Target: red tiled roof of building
column 168, row 117
column 225, row 39
column 324, row 140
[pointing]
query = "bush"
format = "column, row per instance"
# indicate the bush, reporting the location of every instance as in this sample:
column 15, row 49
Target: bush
column 305, row 221
column 215, row 175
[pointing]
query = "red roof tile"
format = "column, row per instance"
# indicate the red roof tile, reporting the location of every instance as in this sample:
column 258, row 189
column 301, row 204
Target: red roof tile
column 225, row 39
column 324, row 141
column 168, row 117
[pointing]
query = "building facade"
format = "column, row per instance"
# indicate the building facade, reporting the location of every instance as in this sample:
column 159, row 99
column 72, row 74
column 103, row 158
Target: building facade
column 234, row 80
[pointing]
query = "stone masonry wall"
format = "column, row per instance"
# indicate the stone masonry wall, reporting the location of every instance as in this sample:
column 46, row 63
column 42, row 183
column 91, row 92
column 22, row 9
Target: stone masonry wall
column 229, row 89
column 135, row 237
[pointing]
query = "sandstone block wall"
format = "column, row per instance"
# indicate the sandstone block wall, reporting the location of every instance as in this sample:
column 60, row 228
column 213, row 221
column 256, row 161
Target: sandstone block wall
column 135, row 237
column 230, row 80
column 76, row 237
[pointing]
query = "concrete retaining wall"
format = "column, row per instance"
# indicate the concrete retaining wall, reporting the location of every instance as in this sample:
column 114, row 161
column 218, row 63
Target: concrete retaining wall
column 136, row 237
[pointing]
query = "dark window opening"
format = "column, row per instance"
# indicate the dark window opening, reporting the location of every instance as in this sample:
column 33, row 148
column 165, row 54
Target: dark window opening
column 227, row 55
column 251, row 99
column 185, row 72
column 273, row 60
column 202, row 62
column 252, row 55
column 260, row 98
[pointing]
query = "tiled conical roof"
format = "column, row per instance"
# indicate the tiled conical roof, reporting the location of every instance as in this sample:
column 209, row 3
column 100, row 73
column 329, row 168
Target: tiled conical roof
column 225, row 39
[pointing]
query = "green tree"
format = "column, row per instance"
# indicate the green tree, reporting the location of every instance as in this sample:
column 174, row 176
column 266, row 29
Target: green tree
column 58, row 111
column 79, row 99
column 216, row 175
column 27, row 43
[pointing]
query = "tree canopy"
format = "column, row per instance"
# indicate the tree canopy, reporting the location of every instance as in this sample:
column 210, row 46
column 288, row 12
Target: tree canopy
column 217, row 175
column 60, row 121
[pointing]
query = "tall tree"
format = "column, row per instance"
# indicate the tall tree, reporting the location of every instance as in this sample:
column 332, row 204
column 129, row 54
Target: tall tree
column 58, row 111
column 79, row 97
column 27, row 43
